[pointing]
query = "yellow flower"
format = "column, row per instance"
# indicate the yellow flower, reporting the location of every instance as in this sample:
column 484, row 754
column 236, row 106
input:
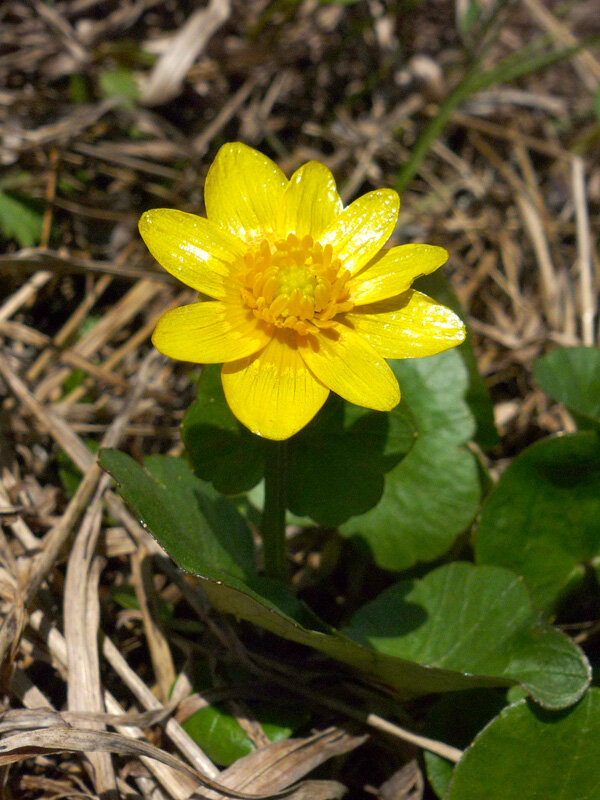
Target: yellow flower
column 301, row 298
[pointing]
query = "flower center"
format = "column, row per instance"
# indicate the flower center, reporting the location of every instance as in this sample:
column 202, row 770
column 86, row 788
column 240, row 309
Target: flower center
column 295, row 283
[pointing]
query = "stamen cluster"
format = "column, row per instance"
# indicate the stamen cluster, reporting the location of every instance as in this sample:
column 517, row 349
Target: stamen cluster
column 295, row 283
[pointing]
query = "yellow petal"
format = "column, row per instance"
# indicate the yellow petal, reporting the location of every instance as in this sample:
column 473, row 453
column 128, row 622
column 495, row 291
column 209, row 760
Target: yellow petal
column 191, row 248
column 362, row 229
column 310, row 201
column 243, row 192
column 209, row 332
column 273, row 393
column 395, row 271
column 346, row 363
column 410, row 326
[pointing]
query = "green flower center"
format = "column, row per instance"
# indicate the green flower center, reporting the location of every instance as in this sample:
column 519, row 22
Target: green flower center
column 295, row 283
column 295, row 277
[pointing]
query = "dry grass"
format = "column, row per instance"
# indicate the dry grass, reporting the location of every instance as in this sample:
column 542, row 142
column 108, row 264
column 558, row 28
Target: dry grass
column 511, row 188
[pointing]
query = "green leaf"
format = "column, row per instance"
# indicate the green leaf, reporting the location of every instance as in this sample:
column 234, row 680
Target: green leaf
column 207, row 536
column 219, row 448
column 223, row 739
column 219, row 734
column 477, row 620
column 529, row 754
column 201, row 531
column 19, row 220
column 543, row 518
column 456, row 719
column 338, row 462
column 398, row 673
column 432, row 495
column 478, row 398
column 571, row 375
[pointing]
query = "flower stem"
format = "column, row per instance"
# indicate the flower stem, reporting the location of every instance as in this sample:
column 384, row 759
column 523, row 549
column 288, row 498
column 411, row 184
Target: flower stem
column 273, row 518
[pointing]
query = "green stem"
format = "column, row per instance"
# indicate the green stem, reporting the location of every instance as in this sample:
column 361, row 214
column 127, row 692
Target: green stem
column 273, row 518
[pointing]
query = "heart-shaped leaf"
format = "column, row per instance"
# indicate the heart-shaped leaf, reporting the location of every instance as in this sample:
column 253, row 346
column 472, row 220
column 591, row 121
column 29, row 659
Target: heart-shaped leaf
column 432, row 494
column 529, row 754
column 348, row 458
column 456, row 719
column 478, row 620
column 338, row 463
column 571, row 375
column 543, row 518
column 194, row 537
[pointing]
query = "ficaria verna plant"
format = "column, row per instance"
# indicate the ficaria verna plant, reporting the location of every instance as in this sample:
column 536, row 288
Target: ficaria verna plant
column 298, row 296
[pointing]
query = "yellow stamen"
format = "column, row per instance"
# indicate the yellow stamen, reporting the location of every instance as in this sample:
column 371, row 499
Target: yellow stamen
column 295, row 284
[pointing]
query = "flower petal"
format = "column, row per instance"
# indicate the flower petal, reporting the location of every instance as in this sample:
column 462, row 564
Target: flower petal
column 243, row 192
column 410, row 326
column 346, row 363
column 394, row 273
column 209, row 332
column 310, row 202
column 362, row 229
column 191, row 248
column 273, row 393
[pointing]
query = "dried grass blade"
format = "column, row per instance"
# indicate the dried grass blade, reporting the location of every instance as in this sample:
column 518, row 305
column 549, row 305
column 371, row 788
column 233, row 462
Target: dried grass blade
column 23, row 294
column 283, row 763
column 59, row 739
column 177, row 785
column 160, row 652
column 589, row 297
column 164, row 83
column 81, row 608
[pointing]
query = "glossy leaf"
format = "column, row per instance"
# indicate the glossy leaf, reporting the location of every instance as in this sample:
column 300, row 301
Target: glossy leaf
column 431, row 495
column 478, row 620
column 338, row 462
column 456, row 719
column 543, row 518
column 571, row 375
column 199, row 529
column 224, row 740
column 530, row 754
